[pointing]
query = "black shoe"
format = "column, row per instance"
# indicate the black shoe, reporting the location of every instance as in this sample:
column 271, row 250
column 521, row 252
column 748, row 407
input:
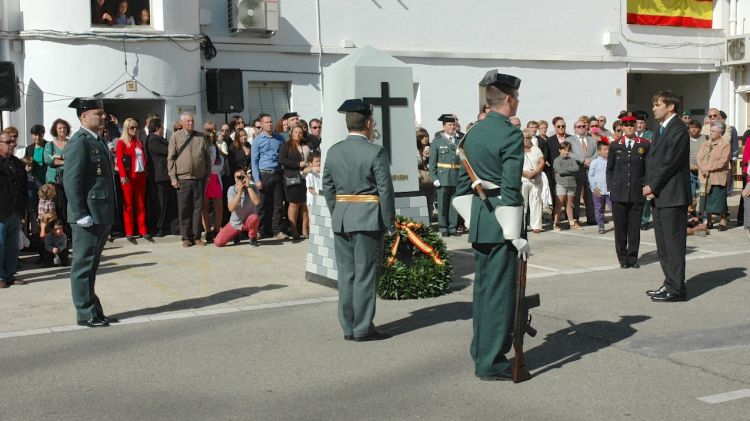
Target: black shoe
column 254, row 242
column 601, row 229
column 375, row 335
column 237, row 240
column 110, row 319
column 635, row 266
column 645, row 227
column 348, row 337
column 95, row 322
column 445, row 234
column 624, row 266
column 160, row 233
column 669, row 297
column 131, row 239
column 505, row 375
column 148, row 238
column 659, row 291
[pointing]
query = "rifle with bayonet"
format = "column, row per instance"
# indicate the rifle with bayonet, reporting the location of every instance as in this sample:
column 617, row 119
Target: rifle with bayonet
column 522, row 323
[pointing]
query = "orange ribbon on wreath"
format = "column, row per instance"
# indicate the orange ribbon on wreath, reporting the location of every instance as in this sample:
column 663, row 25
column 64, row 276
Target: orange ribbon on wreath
column 415, row 239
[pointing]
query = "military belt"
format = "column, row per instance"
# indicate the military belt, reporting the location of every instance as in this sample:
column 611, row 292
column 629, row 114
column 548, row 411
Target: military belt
column 355, row 198
column 451, row 166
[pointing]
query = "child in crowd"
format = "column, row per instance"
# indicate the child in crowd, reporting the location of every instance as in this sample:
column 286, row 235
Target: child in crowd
column 314, row 183
column 46, row 207
column 144, row 18
column 45, row 224
column 598, row 183
column 694, row 224
column 56, row 246
column 566, row 171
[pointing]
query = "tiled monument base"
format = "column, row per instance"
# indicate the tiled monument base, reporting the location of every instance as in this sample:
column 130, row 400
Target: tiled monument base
column 321, row 259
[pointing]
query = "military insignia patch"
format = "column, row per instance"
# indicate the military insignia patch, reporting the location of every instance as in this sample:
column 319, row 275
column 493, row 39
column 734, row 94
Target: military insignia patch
column 619, row 152
column 641, row 150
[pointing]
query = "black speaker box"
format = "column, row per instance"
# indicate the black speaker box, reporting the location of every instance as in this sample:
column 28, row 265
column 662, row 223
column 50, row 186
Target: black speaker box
column 9, row 96
column 224, row 92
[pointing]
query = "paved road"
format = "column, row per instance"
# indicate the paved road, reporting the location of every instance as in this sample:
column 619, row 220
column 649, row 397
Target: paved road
column 261, row 343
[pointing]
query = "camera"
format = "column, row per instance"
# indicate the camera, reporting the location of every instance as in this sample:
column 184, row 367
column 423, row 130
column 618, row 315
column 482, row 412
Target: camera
column 241, row 177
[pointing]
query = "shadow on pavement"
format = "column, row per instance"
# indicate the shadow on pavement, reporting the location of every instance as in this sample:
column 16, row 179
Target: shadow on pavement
column 429, row 316
column 653, row 257
column 705, row 282
column 196, row 303
column 574, row 342
column 106, row 257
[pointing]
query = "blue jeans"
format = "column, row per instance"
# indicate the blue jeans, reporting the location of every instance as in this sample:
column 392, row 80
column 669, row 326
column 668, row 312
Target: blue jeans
column 9, row 228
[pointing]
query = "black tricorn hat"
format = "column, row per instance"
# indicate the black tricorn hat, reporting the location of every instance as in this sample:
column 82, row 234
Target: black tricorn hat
column 500, row 80
column 448, row 118
column 84, row 104
column 355, row 105
column 290, row 114
column 641, row 115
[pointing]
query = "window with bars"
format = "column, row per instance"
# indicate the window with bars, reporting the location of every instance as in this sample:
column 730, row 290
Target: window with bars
column 268, row 97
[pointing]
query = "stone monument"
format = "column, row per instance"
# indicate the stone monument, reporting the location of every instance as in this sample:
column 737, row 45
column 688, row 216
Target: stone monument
column 387, row 84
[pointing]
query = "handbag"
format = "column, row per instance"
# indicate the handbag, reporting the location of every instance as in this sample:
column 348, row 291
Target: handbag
column 292, row 181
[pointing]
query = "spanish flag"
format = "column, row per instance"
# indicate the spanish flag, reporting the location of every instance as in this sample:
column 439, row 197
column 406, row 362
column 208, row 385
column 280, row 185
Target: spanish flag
column 687, row 13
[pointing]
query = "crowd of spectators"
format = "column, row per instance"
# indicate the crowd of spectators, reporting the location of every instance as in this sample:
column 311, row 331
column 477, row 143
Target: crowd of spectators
column 206, row 186
column 564, row 172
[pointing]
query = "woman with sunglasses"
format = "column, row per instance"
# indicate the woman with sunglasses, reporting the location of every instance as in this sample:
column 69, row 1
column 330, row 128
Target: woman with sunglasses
column 130, row 159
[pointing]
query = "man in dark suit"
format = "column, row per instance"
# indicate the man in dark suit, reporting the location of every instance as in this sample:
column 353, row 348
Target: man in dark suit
column 359, row 194
column 90, row 189
column 667, row 185
column 626, row 166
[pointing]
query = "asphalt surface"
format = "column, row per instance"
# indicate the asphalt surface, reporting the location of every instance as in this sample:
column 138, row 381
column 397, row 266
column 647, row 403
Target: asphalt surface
column 237, row 333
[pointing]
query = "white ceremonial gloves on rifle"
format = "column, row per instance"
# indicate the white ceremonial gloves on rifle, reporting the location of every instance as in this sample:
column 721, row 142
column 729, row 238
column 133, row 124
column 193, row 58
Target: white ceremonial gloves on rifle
column 85, row 222
column 510, row 219
column 436, row 183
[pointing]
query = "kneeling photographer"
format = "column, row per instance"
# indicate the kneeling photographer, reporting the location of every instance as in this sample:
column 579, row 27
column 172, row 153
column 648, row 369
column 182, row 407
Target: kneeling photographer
column 243, row 201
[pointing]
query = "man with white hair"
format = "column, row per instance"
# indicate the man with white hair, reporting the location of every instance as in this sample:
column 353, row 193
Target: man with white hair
column 189, row 166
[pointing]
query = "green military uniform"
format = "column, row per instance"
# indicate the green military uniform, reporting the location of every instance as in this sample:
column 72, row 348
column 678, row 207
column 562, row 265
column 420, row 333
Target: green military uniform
column 494, row 147
column 89, row 186
column 443, row 166
column 358, row 190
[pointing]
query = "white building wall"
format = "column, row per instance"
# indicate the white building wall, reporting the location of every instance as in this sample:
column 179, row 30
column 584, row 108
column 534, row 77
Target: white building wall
column 555, row 48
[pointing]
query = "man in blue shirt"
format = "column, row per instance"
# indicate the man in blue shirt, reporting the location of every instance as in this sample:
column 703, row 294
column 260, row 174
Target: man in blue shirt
column 267, row 175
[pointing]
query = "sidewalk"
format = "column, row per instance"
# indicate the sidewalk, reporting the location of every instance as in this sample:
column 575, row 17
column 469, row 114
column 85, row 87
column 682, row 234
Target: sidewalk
column 165, row 280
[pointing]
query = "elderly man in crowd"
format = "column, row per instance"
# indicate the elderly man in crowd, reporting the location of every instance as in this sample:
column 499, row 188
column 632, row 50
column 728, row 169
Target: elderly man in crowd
column 189, row 165
column 13, row 200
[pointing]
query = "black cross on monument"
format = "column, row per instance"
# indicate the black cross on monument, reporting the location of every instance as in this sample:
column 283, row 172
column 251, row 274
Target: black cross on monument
column 385, row 102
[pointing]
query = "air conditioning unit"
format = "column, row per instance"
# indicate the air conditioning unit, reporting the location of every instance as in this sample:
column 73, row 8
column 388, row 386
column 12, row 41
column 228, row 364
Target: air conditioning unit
column 254, row 16
column 737, row 50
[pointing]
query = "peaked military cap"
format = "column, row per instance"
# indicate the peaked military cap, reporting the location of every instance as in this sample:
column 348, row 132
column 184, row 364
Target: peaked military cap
column 448, row 118
column 288, row 115
column 355, row 105
column 500, row 80
column 641, row 115
column 627, row 116
column 84, row 104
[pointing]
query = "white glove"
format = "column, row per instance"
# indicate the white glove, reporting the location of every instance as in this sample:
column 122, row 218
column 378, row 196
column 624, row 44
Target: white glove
column 523, row 248
column 436, row 183
column 85, row 222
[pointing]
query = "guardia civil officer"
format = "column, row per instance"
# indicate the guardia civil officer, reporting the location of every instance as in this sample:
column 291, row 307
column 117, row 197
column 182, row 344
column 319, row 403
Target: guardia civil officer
column 494, row 148
column 358, row 190
column 89, row 185
column 443, row 166
column 626, row 167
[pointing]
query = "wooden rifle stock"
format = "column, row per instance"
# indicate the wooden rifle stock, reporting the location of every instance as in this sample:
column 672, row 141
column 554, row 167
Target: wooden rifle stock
column 522, row 323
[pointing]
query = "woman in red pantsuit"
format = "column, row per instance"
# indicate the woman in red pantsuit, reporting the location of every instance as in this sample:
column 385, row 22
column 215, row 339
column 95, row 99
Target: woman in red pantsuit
column 131, row 165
